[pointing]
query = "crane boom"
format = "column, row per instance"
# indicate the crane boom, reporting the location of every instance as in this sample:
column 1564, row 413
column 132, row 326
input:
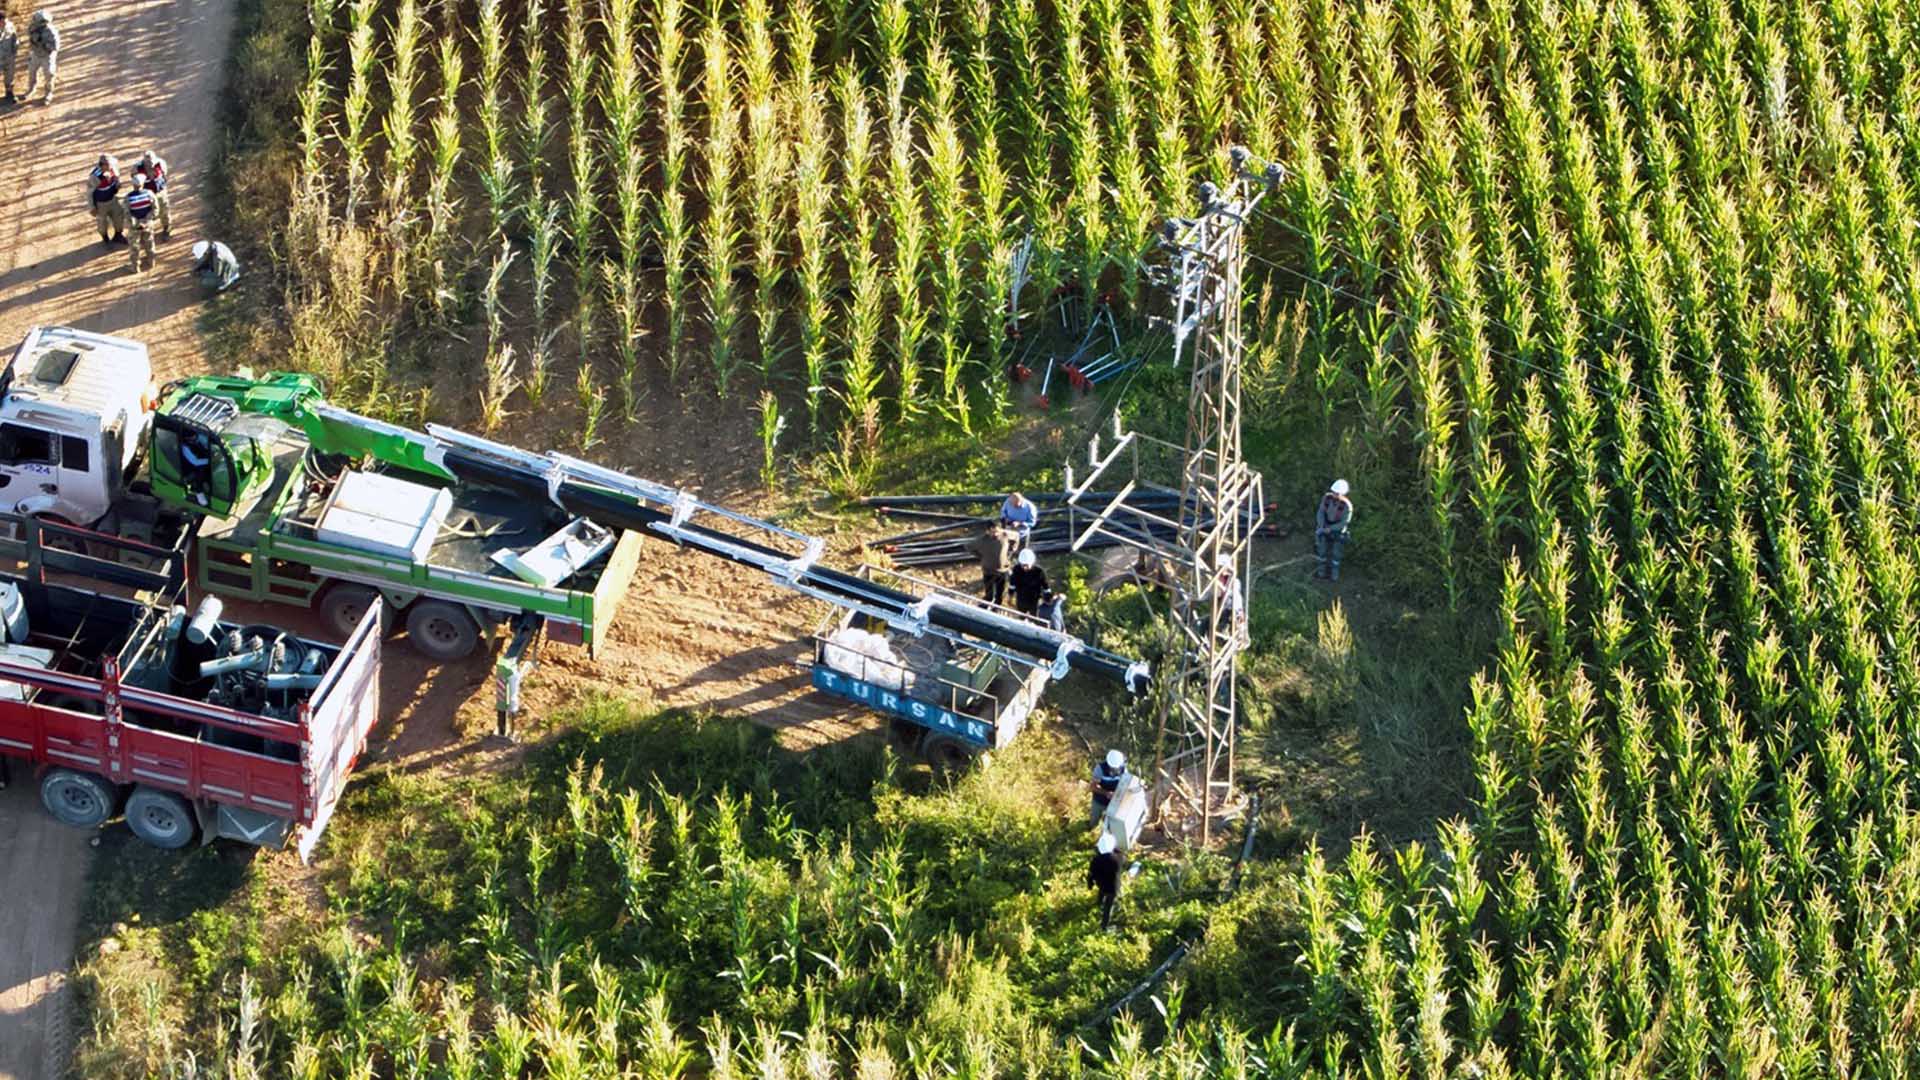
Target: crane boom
column 614, row 499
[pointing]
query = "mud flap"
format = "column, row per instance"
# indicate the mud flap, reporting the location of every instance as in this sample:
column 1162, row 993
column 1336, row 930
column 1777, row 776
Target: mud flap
column 338, row 717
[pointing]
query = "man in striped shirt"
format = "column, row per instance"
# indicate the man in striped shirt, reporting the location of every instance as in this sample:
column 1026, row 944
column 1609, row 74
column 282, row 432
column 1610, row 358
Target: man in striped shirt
column 141, row 218
column 155, row 168
column 103, row 193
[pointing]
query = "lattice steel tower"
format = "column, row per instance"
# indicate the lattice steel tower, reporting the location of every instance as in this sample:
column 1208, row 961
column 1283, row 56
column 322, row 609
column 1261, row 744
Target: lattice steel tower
column 1205, row 547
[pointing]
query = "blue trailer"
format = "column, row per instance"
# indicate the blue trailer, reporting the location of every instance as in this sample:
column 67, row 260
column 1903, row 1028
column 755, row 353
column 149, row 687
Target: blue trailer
column 947, row 701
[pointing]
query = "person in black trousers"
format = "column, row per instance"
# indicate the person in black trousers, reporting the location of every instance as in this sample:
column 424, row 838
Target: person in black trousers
column 1104, row 875
column 1029, row 583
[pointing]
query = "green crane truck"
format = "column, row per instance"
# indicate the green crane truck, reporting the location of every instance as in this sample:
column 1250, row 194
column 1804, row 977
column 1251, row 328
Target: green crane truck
column 287, row 500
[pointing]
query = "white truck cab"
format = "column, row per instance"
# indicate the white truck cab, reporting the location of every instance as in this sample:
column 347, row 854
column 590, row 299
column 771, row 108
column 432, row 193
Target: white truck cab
column 73, row 411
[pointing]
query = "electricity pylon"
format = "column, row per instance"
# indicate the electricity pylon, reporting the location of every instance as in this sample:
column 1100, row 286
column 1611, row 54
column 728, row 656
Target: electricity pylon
column 1207, row 546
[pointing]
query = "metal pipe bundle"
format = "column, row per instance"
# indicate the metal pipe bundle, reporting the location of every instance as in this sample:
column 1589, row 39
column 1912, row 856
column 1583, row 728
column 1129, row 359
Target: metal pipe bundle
column 937, row 546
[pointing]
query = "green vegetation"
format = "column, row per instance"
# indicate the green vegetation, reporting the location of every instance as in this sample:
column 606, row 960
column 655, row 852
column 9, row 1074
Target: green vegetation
column 1603, row 306
column 651, row 891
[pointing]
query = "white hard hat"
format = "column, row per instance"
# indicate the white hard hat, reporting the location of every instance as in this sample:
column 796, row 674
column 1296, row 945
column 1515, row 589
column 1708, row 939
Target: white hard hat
column 1339, row 487
column 200, row 251
column 1105, row 844
column 1115, row 759
column 1026, row 557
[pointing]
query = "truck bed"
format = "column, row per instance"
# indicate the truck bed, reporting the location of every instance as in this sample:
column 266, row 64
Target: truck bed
column 259, row 774
column 281, row 523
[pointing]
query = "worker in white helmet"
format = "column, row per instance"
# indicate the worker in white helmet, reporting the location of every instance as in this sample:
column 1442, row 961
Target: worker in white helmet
column 1104, row 875
column 1331, row 528
column 1029, row 583
column 1107, row 777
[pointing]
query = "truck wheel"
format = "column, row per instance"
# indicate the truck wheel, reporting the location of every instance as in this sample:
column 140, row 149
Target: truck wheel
column 946, row 753
column 82, row 800
column 905, row 736
column 344, row 605
column 441, row 630
column 161, row 818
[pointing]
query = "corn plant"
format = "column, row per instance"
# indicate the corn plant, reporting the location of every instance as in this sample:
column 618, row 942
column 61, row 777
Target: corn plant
column 356, row 102
column 545, row 217
column 496, row 165
column 812, row 201
column 766, row 160
column 772, row 424
column 313, row 88
column 907, row 274
column 1081, row 132
column 403, row 78
column 621, row 101
column 865, row 315
column 593, row 406
column 672, row 224
column 498, row 380
column 586, row 171
column 443, row 205
column 720, row 230
column 946, row 197
column 534, row 127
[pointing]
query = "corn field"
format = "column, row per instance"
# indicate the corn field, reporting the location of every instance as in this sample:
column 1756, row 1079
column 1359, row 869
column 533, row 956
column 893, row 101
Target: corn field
column 1633, row 279
column 823, row 196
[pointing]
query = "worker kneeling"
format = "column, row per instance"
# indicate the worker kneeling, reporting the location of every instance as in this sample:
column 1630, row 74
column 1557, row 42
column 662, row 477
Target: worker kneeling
column 214, row 266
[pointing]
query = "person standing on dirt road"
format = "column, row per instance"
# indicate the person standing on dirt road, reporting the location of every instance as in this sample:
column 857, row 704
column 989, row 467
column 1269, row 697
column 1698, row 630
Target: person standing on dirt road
column 9, row 49
column 1331, row 527
column 994, row 547
column 43, row 48
column 155, row 169
column 103, row 193
column 142, row 215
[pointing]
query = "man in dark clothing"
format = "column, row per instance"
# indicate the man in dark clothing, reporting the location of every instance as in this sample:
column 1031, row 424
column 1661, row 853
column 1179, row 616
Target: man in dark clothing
column 1331, row 526
column 995, row 551
column 1029, row 583
column 1104, row 875
column 196, row 466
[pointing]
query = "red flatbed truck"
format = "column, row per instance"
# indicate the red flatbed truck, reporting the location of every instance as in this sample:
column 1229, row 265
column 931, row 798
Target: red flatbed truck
column 190, row 726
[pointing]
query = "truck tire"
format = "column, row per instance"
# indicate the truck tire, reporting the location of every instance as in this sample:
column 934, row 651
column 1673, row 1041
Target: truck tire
column 947, row 754
column 905, row 736
column 82, row 800
column 161, row 818
column 344, row 604
column 441, row 630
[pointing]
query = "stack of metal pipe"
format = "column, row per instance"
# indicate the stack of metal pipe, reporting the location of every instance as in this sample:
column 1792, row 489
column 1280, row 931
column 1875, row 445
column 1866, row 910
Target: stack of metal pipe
column 945, row 525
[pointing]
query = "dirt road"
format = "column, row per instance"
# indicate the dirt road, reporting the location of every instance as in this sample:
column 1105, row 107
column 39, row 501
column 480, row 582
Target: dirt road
column 135, row 76
column 45, row 865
